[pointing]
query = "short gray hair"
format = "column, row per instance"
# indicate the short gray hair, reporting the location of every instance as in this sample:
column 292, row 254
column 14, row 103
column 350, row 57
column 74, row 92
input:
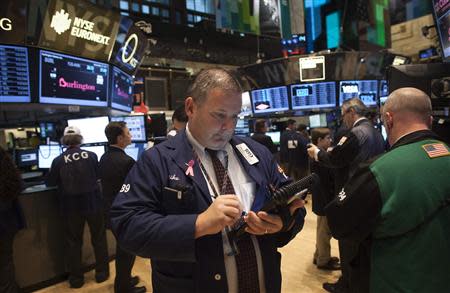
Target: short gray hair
column 72, row 139
column 355, row 104
column 209, row 79
column 409, row 100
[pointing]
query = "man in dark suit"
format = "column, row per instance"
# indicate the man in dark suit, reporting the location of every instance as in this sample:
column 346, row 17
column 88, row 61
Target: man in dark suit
column 359, row 144
column 183, row 195
column 114, row 167
column 261, row 136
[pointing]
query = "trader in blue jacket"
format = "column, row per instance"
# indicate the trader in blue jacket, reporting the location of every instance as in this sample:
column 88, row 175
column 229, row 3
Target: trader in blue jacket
column 181, row 198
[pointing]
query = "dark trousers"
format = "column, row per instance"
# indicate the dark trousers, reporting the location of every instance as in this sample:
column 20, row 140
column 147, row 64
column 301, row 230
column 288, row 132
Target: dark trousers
column 347, row 252
column 124, row 264
column 7, row 275
column 74, row 227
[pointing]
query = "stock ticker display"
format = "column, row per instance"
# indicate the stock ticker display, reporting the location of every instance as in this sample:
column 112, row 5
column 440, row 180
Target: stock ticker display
column 14, row 75
column 270, row 100
column 365, row 90
column 313, row 95
column 122, row 90
column 70, row 80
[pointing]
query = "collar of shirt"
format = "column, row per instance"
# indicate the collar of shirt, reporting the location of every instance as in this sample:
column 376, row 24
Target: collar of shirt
column 362, row 118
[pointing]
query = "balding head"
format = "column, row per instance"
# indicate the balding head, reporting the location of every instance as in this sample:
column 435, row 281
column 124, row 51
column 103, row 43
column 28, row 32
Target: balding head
column 410, row 101
column 406, row 110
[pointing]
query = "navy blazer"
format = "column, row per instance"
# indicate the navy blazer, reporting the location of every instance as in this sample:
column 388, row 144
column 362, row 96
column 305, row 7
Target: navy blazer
column 152, row 221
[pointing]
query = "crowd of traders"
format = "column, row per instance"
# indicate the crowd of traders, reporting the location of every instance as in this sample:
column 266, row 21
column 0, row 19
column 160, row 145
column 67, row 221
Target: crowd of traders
column 179, row 202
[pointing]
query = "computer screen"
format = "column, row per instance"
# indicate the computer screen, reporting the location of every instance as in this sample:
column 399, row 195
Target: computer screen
column 275, row 136
column 384, row 91
column 14, row 75
column 246, row 109
column 318, row 120
column 99, row 150
column 399, row 60
column 242, row 128
column 136, row 125
column 307, row 96
column 441, row 13
column 70, row 80
column 270, row 100
column 47, row 129
column 121, row 90
column 135, row 150
column 365, row 90
column 26, row 157
column 92, row 129
column 46, row 155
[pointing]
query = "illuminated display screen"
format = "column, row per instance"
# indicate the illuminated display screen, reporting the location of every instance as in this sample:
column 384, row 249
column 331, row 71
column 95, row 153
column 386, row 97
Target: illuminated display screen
column 246, row 108
column 14, row 76
column 72, row 81
column 270, row 100
column 384, row 91
column 313, row 95
column 122, row 90
column 136, row 125
column 92, row 129
column 441, row 11
column 46, row 155
column 365, row 90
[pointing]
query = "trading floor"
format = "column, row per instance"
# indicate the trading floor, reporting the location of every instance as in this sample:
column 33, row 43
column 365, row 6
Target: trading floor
column 299, row 274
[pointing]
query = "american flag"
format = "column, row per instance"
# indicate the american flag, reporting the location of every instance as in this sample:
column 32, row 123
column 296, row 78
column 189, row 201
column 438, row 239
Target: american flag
column 436, row 150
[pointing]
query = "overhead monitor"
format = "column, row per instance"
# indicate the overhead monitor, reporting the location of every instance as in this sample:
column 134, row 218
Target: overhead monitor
column 92, row 129
column 318, row 120
column 441, row 13
column 242, row 128
column 307, row 96
column 312, row 68
column 136, row 125
column 14, row 75
column 46, row 155
column 270, row 100
column 26, row 157
column 275, row 136
column 365, row 90
column 399, row 60
column 47, row 129
column 121, row 90
column 70, row 80
column 99, row 150
column 384, row 91
column 246, row 109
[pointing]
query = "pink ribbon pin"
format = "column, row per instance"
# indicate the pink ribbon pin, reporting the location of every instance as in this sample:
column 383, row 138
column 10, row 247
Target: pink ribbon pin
column 190, row 169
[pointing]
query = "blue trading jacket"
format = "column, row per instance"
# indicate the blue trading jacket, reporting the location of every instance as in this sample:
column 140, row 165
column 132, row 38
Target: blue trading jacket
column 159, row 223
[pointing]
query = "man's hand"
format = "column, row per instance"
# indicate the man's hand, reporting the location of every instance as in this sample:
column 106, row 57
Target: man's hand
column 224, row 211
column 261, row 223
column 313, row 150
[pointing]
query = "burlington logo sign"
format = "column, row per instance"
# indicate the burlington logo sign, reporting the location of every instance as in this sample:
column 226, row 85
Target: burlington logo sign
column 81, row 28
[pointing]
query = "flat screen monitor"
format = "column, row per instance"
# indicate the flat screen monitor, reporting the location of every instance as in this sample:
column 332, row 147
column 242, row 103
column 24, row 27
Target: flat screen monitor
column 92, row 129
column 26, row 157
column 384, row 91
column 246, row 109
column 270, row 100
column 47, row 129
column 242, row 128
column 14, row 75
column 46, row 155
column 307, row 96
column 99, row 150
column 441, row 13
column 365, row 90
column 275, row 136
column 136, row 125
column 121, row 90
column 71, row 80
column 135, row 150
column 318, row 120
